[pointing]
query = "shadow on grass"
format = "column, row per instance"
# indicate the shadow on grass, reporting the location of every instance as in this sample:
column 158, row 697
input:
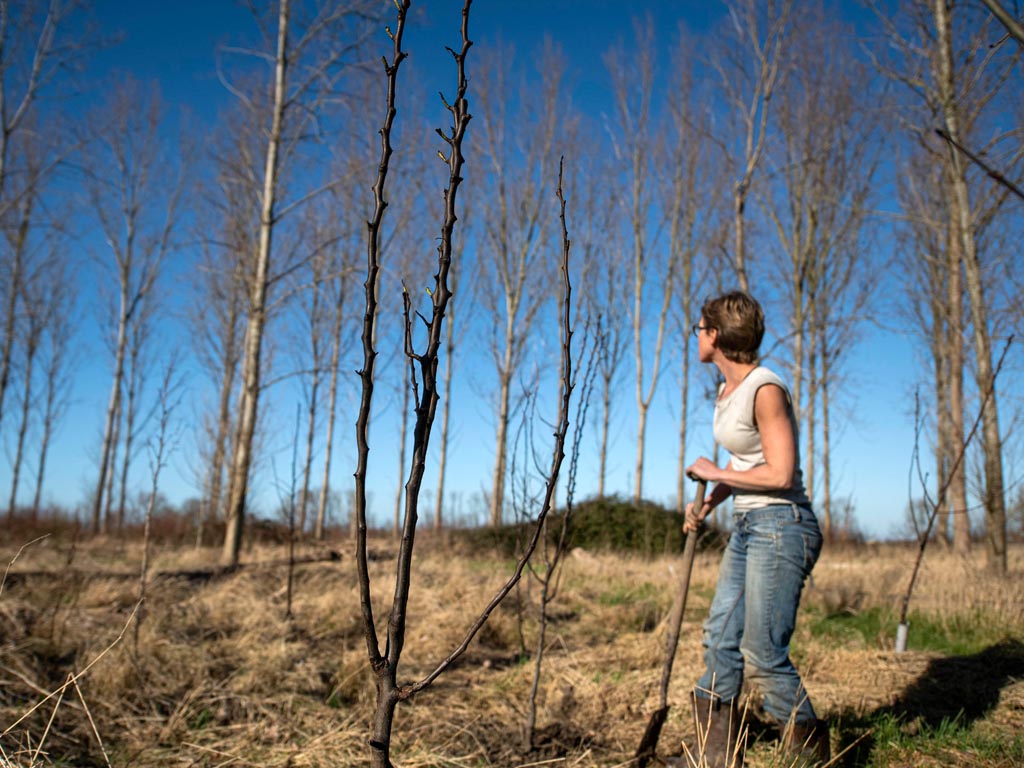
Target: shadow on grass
column 961, row 688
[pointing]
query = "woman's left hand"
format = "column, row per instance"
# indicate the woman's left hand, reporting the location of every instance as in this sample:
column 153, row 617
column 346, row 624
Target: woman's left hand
column 704, row 469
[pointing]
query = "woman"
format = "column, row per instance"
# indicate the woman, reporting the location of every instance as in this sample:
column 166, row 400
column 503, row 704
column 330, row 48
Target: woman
column 774, row 544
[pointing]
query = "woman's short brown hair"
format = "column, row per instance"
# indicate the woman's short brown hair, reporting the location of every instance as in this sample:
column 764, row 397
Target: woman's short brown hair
column 739, row 320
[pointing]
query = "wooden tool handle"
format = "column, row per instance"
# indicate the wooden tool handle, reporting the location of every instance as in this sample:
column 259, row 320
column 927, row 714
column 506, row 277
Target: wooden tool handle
column 675, row 621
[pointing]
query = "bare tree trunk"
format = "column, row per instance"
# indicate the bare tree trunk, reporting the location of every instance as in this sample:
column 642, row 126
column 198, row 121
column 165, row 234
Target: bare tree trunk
column 449, row 366
column 222, row 288
column 954, row 383
column 959, row 200
column 387, row 699
column 126, row 459
column 799, row 324
column 403, row 427
column 113, row 408
column 332, row 407
column 20, row 294
column 644, row 400
column 501, row 452
column 811, row 413
column 242, row 460
column 222, row 433
column 633, row 82
column 307, row 467
column 108, row 502
column 320, row 271
column 44, row 447
column 612, row 345
column 752, row 108
column 31, row 348
column 442, row 460
column 826, row 436
column 939, row 342
column 684, row 409
column 739, row 206
column 934, row 288
column 147, row 528
column 11, row 310
column 49, row 424
column 955, row 371
column 136, row 379
column 236, row 431
column 685, row 189
column 58, row 328
column 606, row 415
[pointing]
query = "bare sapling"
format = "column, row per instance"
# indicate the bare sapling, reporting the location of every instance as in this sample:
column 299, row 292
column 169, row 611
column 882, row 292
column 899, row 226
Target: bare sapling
column 551, row 482
column 934, row 507
column 160, row 447
column 424, row 367
column 385, row 665
column 554, row 552
column 525, row 497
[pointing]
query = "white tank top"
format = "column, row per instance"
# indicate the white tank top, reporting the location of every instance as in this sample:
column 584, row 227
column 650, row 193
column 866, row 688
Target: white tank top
column 735, row 430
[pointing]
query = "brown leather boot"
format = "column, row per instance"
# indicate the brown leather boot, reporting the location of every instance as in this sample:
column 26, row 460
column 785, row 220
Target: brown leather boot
column 718, row 733
column 807, row 741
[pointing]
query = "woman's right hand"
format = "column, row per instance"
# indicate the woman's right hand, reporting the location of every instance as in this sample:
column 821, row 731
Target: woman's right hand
column 692, row 520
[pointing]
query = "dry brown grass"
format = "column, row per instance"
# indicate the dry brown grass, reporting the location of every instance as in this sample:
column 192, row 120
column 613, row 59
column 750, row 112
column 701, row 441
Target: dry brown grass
column 219, row 676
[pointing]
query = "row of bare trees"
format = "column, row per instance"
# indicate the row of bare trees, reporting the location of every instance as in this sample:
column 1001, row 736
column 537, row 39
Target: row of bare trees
column 37, row 303
column 760, row 154
column 960, row 80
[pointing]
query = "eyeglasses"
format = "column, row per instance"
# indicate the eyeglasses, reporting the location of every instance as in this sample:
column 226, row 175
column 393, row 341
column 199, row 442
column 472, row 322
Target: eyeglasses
column 697, row 328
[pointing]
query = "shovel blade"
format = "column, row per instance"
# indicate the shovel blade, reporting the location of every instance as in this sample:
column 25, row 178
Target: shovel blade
column 648, row 748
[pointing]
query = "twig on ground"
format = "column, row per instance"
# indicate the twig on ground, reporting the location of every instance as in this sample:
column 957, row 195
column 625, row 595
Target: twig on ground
column 92, row 723
column 74, row 677
column 7, row 570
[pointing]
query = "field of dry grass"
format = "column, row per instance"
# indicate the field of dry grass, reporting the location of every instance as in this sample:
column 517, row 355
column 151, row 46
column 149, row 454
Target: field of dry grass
column 218, row 676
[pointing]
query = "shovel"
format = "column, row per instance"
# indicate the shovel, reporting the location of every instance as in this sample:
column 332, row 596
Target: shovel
column 649, row 743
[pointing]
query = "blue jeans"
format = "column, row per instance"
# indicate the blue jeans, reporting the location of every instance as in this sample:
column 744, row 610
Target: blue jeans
column 769, row 556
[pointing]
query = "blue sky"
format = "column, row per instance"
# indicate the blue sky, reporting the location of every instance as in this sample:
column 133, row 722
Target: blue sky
column 174, row 46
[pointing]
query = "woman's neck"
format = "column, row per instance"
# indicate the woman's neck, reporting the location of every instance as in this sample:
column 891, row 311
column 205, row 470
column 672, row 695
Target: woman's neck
column 733, row 373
